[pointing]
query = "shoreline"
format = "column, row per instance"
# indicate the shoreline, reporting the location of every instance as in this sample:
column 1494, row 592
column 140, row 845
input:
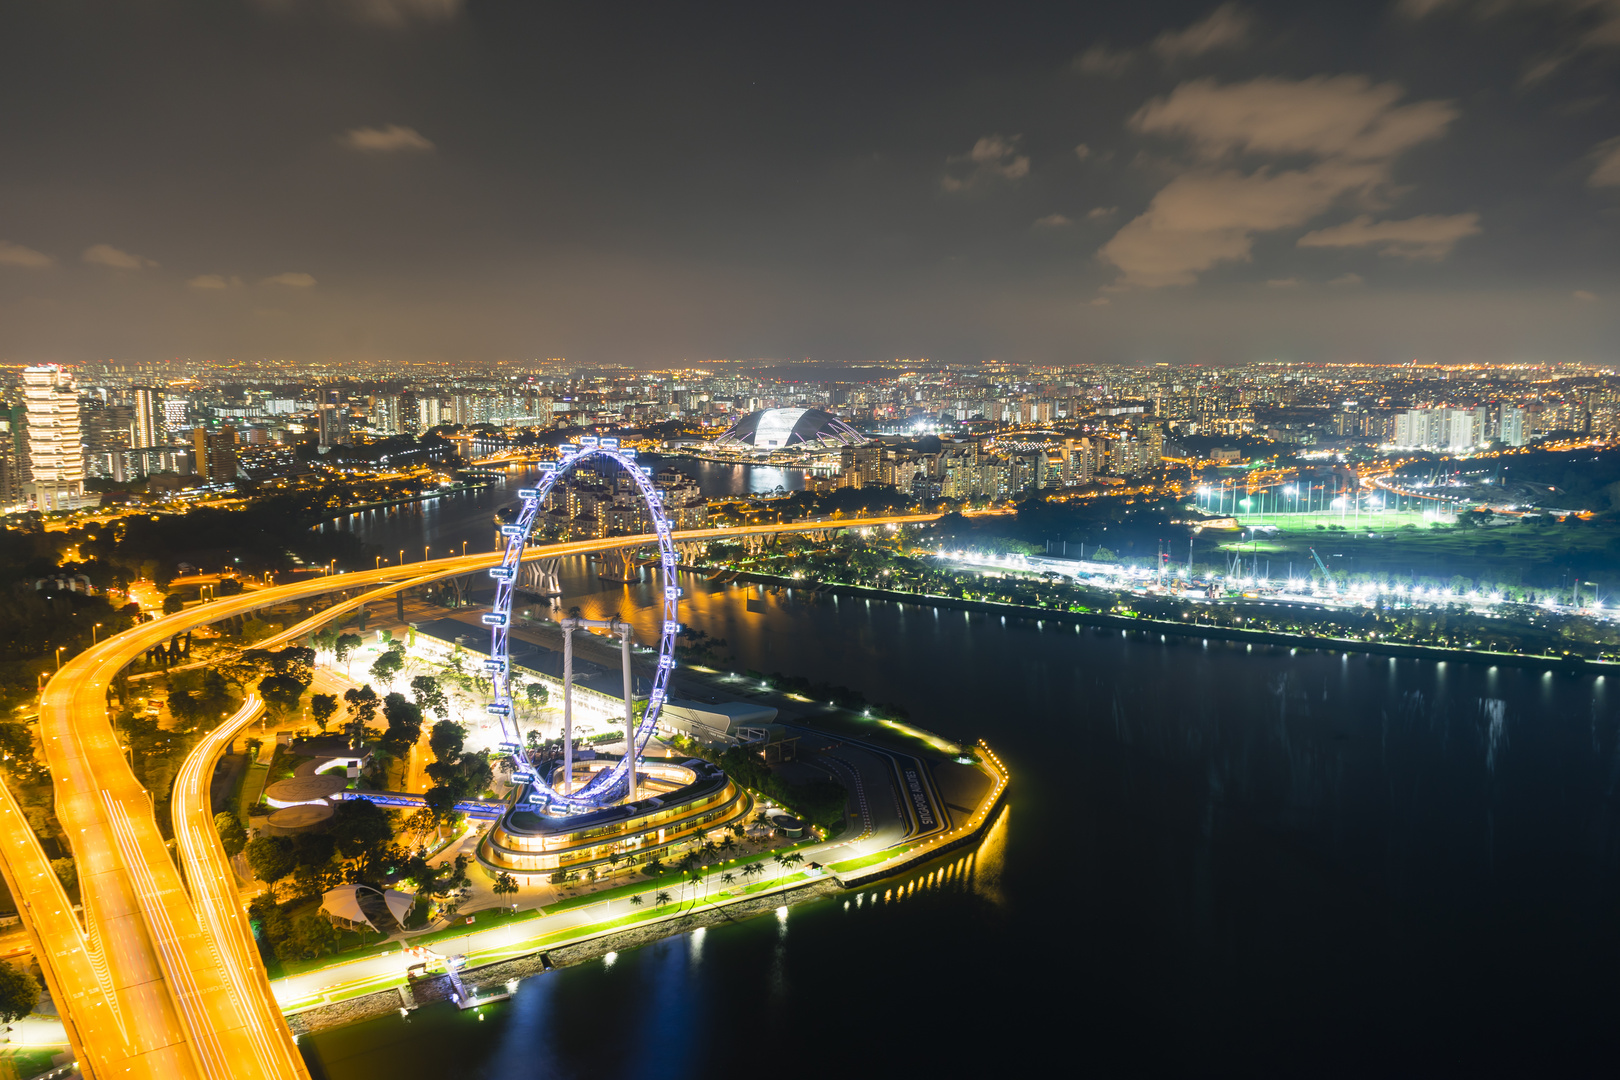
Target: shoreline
column 401, row 501
column 493, row 977
column 499, row 976
column 1166, row 628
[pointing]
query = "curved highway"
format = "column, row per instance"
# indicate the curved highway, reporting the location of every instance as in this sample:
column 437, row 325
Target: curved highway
column 153, row 984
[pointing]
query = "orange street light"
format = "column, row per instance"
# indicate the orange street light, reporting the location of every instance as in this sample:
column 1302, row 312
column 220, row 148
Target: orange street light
column 93, row 630
column 59, row 649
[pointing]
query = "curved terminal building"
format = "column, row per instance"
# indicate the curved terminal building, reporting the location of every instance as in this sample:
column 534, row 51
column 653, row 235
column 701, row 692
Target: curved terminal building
column 681, row 802
column 770, row 430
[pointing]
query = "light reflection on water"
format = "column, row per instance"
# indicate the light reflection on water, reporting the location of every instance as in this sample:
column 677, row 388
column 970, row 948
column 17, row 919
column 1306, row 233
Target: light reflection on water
column 1213, row 856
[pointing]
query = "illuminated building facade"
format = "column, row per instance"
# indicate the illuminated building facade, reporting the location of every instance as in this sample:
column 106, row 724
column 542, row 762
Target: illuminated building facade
column 55, row 445
column 678, row 803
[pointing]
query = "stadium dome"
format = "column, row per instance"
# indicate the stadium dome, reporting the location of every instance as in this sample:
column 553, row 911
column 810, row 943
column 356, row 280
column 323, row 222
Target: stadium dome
column 788, row 429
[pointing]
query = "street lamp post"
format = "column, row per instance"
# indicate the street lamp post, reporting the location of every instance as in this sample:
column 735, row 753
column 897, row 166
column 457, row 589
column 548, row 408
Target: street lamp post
column 93, row 630
column 59, row 649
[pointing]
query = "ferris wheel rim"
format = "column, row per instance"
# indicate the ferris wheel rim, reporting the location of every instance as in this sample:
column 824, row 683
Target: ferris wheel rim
column 605, row 786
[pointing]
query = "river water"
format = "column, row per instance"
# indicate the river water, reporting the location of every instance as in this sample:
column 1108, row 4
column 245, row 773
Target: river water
column 1213, row 859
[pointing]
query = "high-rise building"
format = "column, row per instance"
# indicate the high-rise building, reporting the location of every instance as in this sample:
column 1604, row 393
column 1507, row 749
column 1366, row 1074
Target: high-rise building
column 385, row 414
column 860, row 466
column 107, row 432
column 174, row 413
column 1512, row 426
column 1442, row 429
column 332, row 423
column 13, row 454
column 55, row 454
column 150, row 424
column 429, row 412
column 214, row 454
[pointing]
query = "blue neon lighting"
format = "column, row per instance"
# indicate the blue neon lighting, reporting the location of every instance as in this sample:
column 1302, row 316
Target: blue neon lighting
column 610, row 784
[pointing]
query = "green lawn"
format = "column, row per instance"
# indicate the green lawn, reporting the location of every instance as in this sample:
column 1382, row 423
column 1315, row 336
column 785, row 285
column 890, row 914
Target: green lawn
column 870, row 860
column 32, row 1060
column 487, row 918
column 254, row 781
column 653, row 884
column 1367, row 522
column 1532, row 554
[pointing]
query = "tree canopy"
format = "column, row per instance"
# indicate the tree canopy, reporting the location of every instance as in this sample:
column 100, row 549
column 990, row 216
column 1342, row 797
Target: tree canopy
column 19, row 993
column 232, row 836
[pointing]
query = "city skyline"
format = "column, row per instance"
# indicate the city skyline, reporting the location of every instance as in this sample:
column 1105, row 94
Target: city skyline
column 439, row 181
column 564, row 540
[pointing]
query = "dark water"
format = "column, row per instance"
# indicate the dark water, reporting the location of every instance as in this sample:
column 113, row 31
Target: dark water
column 1213, row 860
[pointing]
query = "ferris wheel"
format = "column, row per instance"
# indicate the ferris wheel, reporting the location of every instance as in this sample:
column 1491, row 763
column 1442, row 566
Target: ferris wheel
column 608, row 785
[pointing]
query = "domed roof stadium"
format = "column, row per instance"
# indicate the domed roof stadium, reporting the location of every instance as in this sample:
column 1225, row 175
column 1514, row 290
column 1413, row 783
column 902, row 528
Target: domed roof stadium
column 788, row 429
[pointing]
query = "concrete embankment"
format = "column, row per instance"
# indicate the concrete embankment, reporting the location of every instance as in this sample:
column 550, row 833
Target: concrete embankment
column 491, row 978
column 1171, row 628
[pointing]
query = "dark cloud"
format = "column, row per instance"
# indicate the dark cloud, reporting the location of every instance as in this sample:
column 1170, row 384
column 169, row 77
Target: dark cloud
column 649, row 182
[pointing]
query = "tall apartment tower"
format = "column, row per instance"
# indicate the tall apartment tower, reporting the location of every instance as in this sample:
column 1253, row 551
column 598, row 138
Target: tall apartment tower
column 332, row 425
column 429, row 412
column 150, row 427
column 107, row 433
column 1512, row 425
column 214, row 454
column 13, row 454
column 55, row 450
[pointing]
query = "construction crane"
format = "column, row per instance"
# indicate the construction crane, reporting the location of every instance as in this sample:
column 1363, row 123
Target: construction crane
column 1326, row 574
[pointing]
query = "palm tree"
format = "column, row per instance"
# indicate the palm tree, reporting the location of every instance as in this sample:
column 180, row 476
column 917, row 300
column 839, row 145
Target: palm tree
column 727, row 846
column 694, row 878
column 636, row 900
column 728, row 879
column 781, row 864
column 661, row 897
column 793, row 859
column 710, row 850
column 753, row 869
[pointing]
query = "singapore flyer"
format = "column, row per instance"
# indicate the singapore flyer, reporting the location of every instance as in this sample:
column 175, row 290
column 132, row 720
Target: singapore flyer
column 608, row 785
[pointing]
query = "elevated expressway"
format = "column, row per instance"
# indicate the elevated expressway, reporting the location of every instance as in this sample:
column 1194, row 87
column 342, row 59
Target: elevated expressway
column 156, row 982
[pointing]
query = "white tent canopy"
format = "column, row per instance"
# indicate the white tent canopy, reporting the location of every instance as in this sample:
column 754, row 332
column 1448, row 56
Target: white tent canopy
column 343, row 902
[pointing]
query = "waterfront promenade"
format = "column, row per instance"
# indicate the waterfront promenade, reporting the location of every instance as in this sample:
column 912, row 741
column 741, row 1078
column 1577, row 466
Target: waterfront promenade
column 630, row 909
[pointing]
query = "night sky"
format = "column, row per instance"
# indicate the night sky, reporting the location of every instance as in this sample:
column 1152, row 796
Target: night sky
column 1041, row 183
